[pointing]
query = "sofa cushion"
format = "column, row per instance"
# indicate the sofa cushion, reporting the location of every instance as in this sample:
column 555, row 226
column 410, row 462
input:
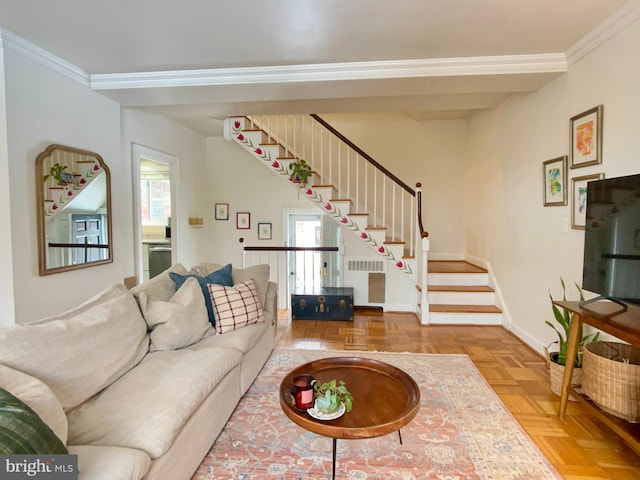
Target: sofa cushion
column 178, row 322
column 235, row 307
column 81, row 351
column 110, row 463
column 161, row 286
column 147, row 407
column 259, row 273
column 22, row 431
column 38, row 396
column 220, row 277
column 242, row 340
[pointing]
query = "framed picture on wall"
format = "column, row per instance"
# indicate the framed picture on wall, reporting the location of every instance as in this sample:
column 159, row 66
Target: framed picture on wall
column 586, row 138
column 243, row 220
column 264, row 231
column 554, row 178
column 222, row 211
column 579, row 199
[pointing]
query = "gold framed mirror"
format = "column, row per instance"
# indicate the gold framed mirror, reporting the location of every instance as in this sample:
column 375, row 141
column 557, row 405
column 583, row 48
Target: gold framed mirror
column 73, row 189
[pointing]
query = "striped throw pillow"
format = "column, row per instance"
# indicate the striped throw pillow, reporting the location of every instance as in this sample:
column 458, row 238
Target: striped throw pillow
column 22, row 431
column 235, row 307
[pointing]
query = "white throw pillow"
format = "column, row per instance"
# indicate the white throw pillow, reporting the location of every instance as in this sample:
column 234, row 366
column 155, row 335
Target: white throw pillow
column 38, row 396
column 83, row 350
column 235, row 307
column 179, row 322
column 161, row 286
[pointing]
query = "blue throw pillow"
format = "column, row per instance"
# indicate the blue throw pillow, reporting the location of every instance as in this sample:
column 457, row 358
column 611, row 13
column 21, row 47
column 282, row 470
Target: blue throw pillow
column 22, row 431
column 219, row 277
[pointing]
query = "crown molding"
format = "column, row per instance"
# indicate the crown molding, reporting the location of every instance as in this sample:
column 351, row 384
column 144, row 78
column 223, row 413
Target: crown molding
column 11, row 41
column 499, row 65
column 617, row 22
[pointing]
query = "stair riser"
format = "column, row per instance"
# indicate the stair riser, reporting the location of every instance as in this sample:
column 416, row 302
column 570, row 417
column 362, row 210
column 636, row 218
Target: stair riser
column 440, row 318
column 378, row 235
column 463, row 279
column 462, row 298
column 342, row 207
column 324, row 193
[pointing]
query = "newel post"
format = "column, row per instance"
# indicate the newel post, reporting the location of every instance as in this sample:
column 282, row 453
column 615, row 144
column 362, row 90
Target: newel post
column 423, row 268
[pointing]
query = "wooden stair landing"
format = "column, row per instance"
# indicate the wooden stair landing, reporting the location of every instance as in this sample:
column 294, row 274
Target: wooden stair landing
column 453, row 266
column 464, row 308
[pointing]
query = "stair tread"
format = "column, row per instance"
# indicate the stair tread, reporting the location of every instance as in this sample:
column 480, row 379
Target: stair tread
column 444, row 308
column 357, row 214
column 453, row 266
column 460, row 288
column 393, row 242
column 340, row 200
column 376, row 228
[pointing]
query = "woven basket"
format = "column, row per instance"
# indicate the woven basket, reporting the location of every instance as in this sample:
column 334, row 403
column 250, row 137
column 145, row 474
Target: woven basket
column 610, row 383
column 557, row 373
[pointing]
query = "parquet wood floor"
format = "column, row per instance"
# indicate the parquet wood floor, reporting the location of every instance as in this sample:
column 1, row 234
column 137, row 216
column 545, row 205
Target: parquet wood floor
column 580, row 447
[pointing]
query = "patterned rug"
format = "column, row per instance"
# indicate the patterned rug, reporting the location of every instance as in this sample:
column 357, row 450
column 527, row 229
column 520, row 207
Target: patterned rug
column 463, row 431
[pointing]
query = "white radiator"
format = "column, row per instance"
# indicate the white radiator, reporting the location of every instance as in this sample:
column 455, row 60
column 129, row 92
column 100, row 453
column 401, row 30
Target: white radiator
column 367, row 277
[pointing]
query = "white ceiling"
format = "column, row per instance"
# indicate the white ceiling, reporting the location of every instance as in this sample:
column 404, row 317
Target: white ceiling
column 197, row 61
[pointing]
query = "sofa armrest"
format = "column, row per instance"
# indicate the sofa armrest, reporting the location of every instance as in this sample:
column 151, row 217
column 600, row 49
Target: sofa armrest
column 271, row 302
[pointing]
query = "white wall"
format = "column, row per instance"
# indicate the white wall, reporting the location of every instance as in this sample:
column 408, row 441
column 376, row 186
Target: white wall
column 506, row 222
column 429, row 152
column 166, row 136
column 45, row 107
column 235, row 177
column 7, row 314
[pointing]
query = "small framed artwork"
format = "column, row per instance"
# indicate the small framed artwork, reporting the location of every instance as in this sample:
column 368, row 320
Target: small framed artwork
column 264, row 231
column 222, row 211
column 554, row 177
column 243, row 220
column 586, row 138
column 579, row 199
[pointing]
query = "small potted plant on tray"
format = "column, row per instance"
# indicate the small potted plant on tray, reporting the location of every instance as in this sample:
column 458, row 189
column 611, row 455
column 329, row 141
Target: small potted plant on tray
column 328, row 396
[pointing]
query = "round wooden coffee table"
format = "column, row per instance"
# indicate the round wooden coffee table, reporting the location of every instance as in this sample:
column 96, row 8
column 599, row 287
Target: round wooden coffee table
column 385, row 398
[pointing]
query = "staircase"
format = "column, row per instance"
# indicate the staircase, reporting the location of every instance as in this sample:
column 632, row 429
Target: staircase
column 459, row 293
column 58, row 196
column 374, row 205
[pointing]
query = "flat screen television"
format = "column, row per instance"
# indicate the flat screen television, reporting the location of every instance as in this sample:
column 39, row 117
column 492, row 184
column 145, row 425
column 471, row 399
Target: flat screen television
column 611, row 266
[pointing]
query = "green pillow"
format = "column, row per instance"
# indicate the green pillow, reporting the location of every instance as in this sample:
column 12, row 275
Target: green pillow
column 22, row 431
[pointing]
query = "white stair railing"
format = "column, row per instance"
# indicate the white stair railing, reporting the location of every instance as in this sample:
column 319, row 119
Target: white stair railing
column 356, row 176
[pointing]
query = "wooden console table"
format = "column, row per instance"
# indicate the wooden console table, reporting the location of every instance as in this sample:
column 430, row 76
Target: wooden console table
column 623, row 325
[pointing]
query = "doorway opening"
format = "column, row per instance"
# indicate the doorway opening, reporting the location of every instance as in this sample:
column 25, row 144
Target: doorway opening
column 310, row 270
column 156, row 213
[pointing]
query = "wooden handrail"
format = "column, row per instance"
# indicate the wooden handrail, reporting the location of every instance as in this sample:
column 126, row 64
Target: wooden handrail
column 290, row 249
column 423, row 232
column 363, row 154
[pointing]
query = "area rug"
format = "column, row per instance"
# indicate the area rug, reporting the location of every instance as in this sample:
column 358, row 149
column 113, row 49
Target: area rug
column 463, row 431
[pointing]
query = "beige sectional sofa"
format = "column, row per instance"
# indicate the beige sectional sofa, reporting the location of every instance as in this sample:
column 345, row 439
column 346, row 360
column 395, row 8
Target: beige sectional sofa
column 136, row 382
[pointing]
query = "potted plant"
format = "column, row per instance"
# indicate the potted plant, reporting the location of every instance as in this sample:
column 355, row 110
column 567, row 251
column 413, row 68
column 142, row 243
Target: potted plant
column 300, row 171
column 329, row 395
column 59, row 173
column 557, row 360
